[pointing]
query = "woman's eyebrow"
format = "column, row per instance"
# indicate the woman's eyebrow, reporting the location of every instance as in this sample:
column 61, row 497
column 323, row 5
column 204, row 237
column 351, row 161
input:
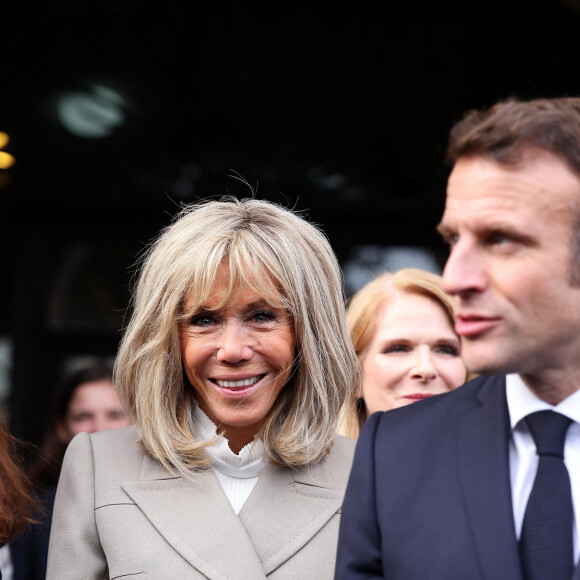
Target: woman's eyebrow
column 258, row 304
column 250, row 306
column 392, row 339
column 449, row 340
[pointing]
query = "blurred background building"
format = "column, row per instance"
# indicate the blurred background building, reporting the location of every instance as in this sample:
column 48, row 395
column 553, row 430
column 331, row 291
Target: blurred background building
column 113, row 114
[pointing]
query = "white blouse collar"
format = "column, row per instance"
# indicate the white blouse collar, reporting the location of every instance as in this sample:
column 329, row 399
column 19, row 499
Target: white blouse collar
column 249, row 463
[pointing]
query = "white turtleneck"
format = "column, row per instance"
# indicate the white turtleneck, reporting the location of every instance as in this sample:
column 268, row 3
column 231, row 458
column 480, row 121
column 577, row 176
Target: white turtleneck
column 237, row 474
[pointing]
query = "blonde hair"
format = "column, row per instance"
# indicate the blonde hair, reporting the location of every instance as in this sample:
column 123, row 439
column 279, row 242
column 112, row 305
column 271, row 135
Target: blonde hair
column 272, row 249
column 362, row 318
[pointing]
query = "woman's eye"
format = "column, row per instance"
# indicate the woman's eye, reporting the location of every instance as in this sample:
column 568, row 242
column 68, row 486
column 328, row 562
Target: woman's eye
column 264, row 316
column 394, row 348
column 81, row 418
column 201, row 320
column 448, row 350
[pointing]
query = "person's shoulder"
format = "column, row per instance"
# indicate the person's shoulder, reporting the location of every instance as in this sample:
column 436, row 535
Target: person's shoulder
column 456, row 401
column 123, row 436
column 117, row 453
column 333, row 470
column 342, row 450
column 447, row 408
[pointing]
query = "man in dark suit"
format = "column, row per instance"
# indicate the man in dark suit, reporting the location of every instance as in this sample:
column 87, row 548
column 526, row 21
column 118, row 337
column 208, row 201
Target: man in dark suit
column 463, row 485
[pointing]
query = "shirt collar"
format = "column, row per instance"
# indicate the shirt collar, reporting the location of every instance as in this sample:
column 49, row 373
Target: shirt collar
column 522, row 401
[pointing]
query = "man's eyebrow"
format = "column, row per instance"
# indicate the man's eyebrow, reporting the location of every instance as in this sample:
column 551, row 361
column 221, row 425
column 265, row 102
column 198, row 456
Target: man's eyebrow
column 444, row 230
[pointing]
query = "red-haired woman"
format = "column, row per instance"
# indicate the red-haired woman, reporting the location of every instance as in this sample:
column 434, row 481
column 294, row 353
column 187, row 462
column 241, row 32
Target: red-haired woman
column 15, row 500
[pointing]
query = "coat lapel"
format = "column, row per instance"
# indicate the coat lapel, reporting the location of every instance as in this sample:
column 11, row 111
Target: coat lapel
column 295, row 504
column 484, row 439
column 193, row 517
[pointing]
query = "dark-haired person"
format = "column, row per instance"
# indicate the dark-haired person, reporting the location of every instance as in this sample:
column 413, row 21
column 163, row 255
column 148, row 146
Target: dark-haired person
column 234, row 366
column 484, row 482
column 85, row 402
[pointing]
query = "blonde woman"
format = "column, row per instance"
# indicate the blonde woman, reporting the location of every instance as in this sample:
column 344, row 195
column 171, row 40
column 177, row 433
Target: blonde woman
column 234, row 366
column 402, row 329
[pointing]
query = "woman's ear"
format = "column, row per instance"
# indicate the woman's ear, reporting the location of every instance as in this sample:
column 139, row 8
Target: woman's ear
column 358, row 391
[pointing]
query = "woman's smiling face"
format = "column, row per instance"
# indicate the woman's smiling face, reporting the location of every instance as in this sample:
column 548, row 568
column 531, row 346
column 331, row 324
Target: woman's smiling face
column 238, row 356
column 414, row 353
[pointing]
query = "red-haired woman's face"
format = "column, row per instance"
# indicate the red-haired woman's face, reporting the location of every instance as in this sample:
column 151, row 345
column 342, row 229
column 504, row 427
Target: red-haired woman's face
column 413, row 354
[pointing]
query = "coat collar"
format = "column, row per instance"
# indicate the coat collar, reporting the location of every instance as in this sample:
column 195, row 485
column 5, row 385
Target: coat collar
column 195, row 516
column 197, row 520
column 294, row 507
column 485, row 477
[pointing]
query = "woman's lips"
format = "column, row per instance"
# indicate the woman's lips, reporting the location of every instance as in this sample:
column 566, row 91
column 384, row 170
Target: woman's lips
column 237, row 387
column 474, row 325
column 418, row 396
column 233, row 383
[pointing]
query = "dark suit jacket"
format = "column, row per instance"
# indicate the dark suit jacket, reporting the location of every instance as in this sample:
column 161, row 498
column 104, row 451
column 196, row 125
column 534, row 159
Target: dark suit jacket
column 29, row 550
column 429, row 494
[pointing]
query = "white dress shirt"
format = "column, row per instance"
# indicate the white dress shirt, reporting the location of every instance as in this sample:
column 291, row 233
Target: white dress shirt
column 237, row 474
column 523, row 459
column 6, row 563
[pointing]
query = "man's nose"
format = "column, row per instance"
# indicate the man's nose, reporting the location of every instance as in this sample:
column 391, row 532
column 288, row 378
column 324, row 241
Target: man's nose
column 464, row 271
column 234, row 344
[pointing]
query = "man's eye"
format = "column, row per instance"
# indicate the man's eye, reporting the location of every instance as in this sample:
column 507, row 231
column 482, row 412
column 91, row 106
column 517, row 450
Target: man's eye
column 498, row 239
column 450, row 239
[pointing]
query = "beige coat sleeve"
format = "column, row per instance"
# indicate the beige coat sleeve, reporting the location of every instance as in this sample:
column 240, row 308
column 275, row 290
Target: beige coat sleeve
column 75, row 550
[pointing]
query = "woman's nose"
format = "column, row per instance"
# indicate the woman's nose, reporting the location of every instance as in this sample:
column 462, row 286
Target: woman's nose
column 234, row 345
column 91, row 427
column 423, row 367
column 100, row 424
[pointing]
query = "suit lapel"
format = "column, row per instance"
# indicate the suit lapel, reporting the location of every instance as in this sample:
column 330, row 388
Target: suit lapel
column 194, row 518
column 484, row 438
column 296, row 505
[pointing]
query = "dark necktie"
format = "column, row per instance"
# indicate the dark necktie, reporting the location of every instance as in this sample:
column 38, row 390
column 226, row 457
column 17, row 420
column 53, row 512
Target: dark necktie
column 546, row 543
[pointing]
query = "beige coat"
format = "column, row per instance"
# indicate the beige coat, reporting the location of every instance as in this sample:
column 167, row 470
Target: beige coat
column 120, row 515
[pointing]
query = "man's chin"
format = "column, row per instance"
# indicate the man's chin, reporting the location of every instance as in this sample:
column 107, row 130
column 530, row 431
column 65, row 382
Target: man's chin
column 481, row 359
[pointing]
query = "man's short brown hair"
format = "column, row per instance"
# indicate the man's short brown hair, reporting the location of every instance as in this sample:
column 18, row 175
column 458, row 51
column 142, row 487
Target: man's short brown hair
column 505, row 130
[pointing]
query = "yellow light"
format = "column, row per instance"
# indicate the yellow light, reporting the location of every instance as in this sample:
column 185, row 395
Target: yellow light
column 3, row 139
column 6, row 160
